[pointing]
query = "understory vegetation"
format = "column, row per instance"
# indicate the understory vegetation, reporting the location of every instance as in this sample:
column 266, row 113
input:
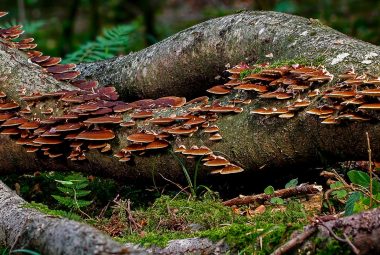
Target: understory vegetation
column 152, row 216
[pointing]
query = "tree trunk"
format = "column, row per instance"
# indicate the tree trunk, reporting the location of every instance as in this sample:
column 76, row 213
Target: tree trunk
column 25, row 228
column 185, row 65
column 253, row 142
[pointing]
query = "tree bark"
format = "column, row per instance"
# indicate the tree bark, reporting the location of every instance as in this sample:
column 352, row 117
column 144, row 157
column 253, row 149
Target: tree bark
column 361, row 231
column 187, row 63
column 256, row 143
column 25, row 228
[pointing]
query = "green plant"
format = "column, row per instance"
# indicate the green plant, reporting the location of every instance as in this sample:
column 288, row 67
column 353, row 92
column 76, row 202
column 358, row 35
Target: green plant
column 73, row 188
column 30, row 27
column 117, row 40
column 194, row 188
column 278, row 200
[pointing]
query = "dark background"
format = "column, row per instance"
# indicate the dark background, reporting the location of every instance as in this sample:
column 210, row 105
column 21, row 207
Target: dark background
column 61, row 27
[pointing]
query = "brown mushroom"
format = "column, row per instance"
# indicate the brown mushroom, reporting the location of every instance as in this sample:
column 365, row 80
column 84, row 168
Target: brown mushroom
column 141, row 138
column 96, row 135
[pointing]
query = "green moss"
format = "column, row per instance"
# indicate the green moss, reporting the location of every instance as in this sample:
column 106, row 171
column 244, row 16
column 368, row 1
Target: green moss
column 332, row 246
column 170, row 219
column 44, row 209
column 320, row 60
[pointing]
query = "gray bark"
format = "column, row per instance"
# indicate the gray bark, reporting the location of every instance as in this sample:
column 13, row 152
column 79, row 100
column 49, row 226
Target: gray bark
column 186, row 63
column 24, row 228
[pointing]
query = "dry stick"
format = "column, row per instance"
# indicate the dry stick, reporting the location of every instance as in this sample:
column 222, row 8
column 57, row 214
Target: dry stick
column 296, row 241
column 284, row 193
column 370, row 171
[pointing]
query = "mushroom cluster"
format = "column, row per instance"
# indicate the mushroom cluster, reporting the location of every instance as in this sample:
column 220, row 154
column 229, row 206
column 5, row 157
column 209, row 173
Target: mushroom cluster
column 295, row 84
column 69, row 123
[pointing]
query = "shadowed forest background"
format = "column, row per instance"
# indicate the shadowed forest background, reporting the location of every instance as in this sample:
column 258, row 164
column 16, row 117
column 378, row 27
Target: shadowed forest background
column 61, row 27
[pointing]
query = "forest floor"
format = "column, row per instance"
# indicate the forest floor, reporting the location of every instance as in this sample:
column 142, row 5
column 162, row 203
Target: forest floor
column 151, row 217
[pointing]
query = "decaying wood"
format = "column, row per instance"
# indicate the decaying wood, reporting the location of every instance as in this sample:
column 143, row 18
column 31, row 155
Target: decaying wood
column 283, row 193
column 253, row 142
column 25, row 228
column 360, row 230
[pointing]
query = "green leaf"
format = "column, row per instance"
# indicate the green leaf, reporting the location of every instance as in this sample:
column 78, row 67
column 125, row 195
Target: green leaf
column 25, row 251
column 359, row 177
column 340, row 194
column 269, row 190
column 82, row 203
column 350, row 203
column 64, row 182
column 336, row 185
column 292, row 183
column 362, row 178
column 277, row 200
column 68, row 202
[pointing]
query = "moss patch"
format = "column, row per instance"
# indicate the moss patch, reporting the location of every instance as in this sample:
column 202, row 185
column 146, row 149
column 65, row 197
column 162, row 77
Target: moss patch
column 169, row 219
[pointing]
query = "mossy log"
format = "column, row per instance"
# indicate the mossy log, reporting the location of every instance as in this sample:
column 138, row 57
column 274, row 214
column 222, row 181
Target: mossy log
column 253, row 142
column 26, row 228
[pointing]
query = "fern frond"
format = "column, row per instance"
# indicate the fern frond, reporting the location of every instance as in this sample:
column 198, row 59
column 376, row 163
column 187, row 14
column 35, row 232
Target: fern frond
column 117, row 40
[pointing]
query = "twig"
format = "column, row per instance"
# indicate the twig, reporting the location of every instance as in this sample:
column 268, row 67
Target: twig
column 284, row 193
column 296, row 241
column 176, row 184
column 370, row 171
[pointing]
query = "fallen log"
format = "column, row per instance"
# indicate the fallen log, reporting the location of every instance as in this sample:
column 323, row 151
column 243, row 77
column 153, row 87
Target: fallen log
column 360, row 232
column 26, row 228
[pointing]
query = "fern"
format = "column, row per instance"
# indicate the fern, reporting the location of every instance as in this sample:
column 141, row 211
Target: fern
column 114, row 41
column 73, row 189
column 30, row 27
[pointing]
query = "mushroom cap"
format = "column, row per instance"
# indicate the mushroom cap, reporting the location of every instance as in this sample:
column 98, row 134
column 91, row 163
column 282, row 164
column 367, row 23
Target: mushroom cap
column 162, row 121
column 216, row 137
column 374, row 106
column 141, row 138
column 134, row 147
column 97, row 145
column 170, row 101
column 9, row 106
column 67, row 127
column 128, row 123
column 195, row 121
column 104, row 120
column 231, row 169
column 218, row 90
column 211, row 129
column 96, row 135
column 182, row 131
column 158, row 144
column 47, row 141
column 197, row 151
column 142, row 114
column 122, row 107
column 220, row 161
column 330, row 121
column 341, row 94
column 10, row 131
column 30, row 125
column 254, row 87
column 14, row 122
column 370, row 92
column 5, row 116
